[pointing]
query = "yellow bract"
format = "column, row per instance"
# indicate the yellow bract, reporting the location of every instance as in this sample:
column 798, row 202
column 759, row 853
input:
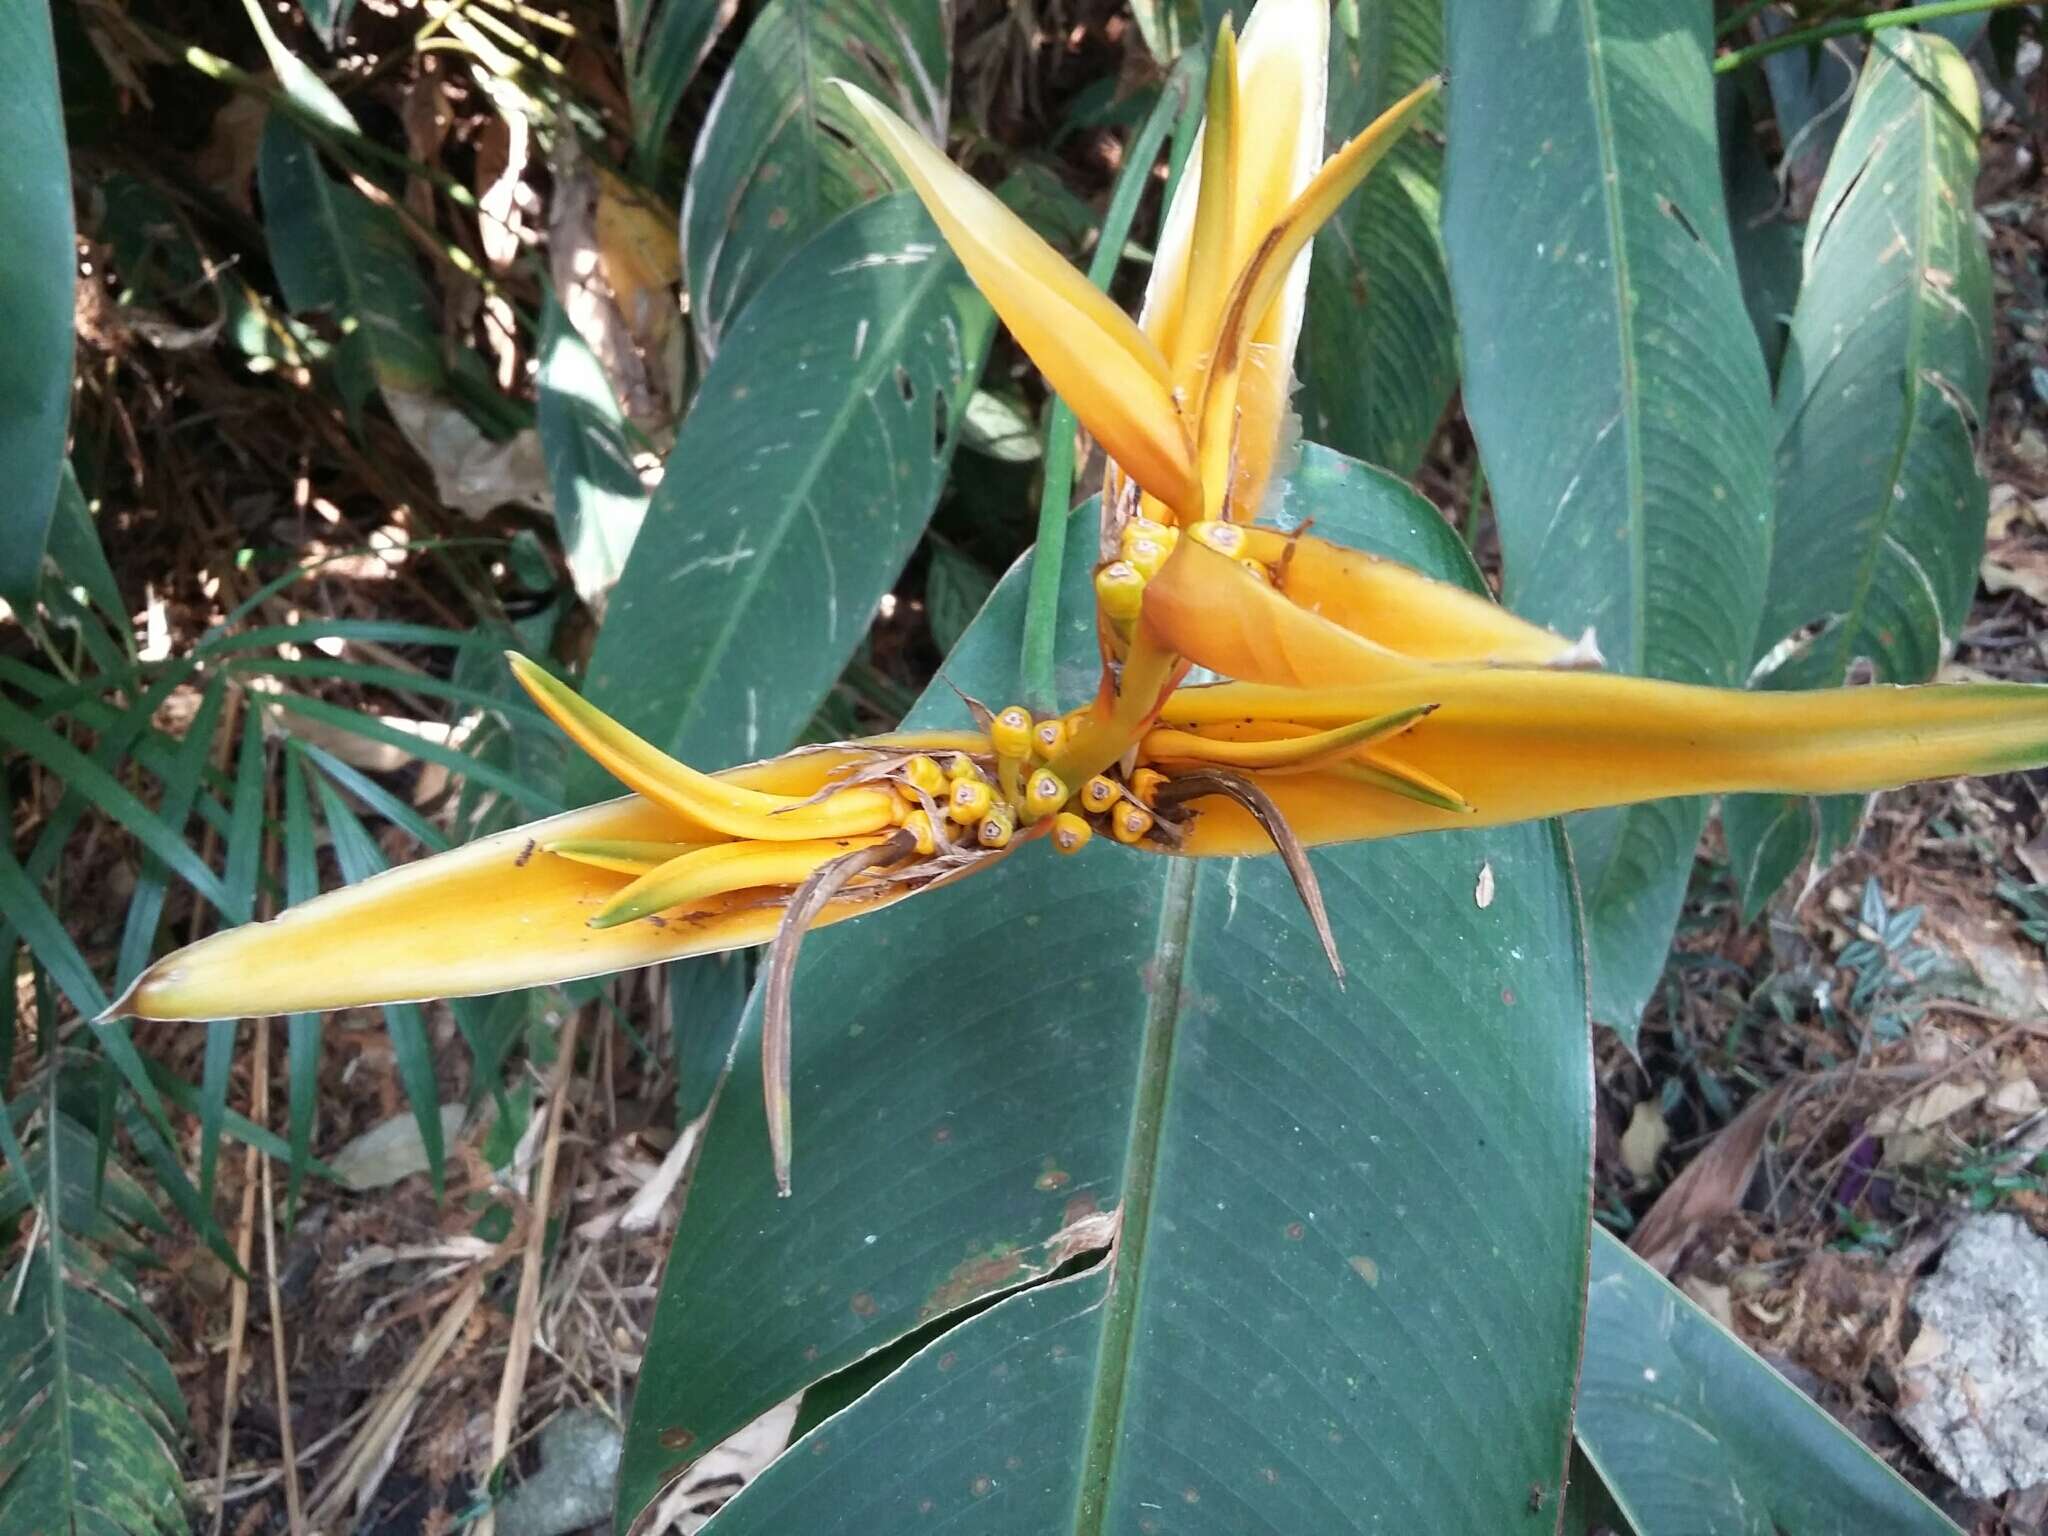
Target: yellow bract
column 1080, row 340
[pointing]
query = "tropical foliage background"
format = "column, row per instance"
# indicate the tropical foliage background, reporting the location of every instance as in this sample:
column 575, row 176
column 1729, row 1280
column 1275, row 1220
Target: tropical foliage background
column 351, row 344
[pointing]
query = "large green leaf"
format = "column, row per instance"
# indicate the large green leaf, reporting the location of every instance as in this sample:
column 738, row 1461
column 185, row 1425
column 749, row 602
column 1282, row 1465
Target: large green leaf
column 1349, row 1226
column 796, row 490
column 1614, row 385
column 782, row 153
column 1881, row 504
column 37, row 264
column 1379, row 353
column 1695, row 1436
column 337, row 251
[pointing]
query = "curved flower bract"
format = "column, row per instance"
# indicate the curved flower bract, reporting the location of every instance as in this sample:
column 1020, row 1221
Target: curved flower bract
column 1362, row 699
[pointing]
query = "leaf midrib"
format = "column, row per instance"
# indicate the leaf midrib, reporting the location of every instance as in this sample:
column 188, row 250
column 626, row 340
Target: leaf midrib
column 1624, row 323
column 60, row 1334
column 1631, row 425
column 1103, row 1436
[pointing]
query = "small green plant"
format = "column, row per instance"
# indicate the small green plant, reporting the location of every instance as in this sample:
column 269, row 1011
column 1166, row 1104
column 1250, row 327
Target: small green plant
column 1990, row 1176
column 1892, row 979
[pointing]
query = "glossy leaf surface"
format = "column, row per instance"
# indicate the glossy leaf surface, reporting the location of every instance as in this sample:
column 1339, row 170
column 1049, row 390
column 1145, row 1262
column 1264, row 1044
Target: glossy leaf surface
column 1305, row 1184
column 1881, row 505
column 1614, row 385
column 782, row 153
column 1693, row 1435
column 796, row 490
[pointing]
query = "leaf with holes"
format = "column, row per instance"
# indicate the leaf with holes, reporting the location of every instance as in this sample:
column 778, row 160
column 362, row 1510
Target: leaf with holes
column 1329, row 1278
column 797, row 488
column 782, row 154
column 37, row 263
column 1693, row 1435
column 1379, row 352
column 1881, row 504
column 1614, row 385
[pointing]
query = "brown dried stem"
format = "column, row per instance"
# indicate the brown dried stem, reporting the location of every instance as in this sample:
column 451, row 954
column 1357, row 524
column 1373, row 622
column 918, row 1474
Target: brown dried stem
column 1293, row 853
column 810, row 899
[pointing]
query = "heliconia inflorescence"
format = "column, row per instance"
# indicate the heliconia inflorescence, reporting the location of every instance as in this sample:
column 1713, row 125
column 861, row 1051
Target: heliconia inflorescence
column 1362, row 699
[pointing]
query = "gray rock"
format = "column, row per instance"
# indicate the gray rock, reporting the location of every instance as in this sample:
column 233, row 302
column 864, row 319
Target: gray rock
column 1975, row 1382
column 579, row 1468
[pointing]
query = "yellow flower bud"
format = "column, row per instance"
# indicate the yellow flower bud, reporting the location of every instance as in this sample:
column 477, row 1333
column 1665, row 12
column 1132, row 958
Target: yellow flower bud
column 1011, row 732
column 921, row 773
column 960, row 766
column 1224, row 538
column 1100, row 793
column 1139, row 529
column 970, row 800
column 1070, row 833
column 1043, row 795
column 919, row 825
column 1048, row 736
column 1145, row 556
column 1120, row 591
column 1130, row 822
column 1145, row 784
column 997, row 827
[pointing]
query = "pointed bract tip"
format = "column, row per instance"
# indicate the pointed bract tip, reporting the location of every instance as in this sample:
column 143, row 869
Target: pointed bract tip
column 123, row 1005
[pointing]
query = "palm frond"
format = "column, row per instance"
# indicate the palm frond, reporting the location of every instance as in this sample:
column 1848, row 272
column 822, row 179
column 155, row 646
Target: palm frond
column 90, row 1412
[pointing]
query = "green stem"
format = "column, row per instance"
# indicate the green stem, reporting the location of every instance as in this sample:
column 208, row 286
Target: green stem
column 1048, row 560
column 1727, row 63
